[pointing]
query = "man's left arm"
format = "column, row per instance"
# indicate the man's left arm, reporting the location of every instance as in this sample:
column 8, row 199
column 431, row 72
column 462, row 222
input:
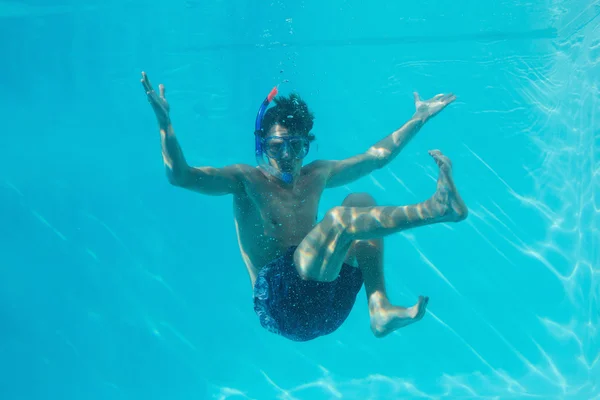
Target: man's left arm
column 384, row 151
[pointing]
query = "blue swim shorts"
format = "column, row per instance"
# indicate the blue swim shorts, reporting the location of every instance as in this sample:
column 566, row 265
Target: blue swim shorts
column 299, row 309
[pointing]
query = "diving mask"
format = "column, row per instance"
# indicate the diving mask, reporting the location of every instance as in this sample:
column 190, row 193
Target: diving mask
column 276, row 146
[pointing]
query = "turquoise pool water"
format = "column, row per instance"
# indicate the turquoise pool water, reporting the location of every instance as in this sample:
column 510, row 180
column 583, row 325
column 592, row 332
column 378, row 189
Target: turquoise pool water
column 115, row 285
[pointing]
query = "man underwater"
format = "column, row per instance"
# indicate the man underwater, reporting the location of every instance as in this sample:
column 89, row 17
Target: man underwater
column 302, row 271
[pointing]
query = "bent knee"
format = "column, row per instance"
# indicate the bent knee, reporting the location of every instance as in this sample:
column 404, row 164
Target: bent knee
column 310, row 268
column 359, row 200
column 335, row 217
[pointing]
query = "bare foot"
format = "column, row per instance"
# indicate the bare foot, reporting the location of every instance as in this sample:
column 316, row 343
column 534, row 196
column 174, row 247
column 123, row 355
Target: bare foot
column 386, row 318
column 447, row 200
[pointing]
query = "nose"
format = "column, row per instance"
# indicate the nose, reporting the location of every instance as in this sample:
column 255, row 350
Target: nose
column 285, row 153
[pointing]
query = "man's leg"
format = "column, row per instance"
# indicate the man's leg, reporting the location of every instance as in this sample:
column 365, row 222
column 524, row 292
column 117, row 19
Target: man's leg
column 323, row 251
column 384, row 316
column 367, row 253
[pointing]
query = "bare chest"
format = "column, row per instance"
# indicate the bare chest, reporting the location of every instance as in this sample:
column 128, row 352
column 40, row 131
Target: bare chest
column 273, row 211
column 270, row 218
column 286, row 211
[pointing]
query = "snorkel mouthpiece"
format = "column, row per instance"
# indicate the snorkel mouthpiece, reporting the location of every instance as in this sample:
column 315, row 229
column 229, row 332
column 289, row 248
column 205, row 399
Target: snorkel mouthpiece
column 258, row 150
column 286, row 177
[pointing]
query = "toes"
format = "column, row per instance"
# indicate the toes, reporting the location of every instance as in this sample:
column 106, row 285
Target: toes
column 437, row 156
column 435, row 153
column 440, row 159
column 423, row 301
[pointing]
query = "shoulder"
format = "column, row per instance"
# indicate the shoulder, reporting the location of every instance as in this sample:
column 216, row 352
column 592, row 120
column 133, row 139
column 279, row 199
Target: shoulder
column 240, row 170
column 320, row 168
column 245, row 174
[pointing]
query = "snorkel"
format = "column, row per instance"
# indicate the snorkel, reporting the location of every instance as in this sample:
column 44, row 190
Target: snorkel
column 284, row 176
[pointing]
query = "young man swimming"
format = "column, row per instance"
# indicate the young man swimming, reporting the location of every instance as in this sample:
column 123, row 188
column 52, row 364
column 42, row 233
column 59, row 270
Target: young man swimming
column 302, row 272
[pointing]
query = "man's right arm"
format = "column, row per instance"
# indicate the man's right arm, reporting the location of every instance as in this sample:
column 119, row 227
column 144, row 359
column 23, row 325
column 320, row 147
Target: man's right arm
column 205, row 180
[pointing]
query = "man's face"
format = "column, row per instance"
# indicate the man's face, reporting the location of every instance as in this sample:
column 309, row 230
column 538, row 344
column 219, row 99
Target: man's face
column 283, row 148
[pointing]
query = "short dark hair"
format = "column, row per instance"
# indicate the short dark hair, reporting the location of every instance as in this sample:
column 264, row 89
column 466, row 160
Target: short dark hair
column 290, row 112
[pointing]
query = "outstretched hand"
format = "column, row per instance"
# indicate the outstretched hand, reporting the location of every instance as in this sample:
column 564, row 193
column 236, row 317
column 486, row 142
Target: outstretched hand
column 157, row 101
column 427, row 109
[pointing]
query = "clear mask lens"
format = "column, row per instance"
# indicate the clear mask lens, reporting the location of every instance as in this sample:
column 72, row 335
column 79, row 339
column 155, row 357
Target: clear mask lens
column 296, row 146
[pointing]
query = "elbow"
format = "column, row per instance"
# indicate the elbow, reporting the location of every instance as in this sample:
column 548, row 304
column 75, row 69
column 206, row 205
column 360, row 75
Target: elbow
column 378, row 158
column 173, row 181
column 177, row 178
column 379, row 161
